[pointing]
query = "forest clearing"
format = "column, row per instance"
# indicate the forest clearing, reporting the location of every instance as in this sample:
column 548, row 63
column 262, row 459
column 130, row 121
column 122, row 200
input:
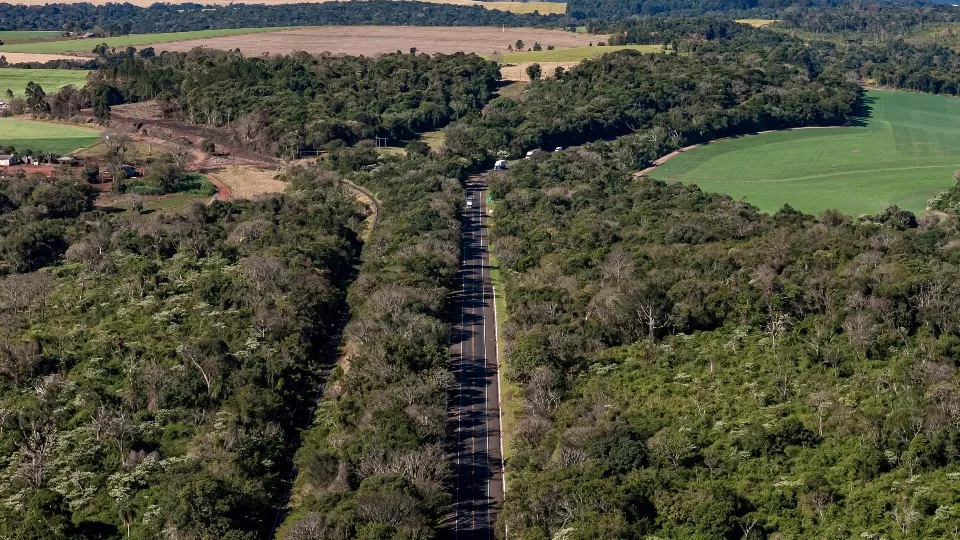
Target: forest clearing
column 904, row 153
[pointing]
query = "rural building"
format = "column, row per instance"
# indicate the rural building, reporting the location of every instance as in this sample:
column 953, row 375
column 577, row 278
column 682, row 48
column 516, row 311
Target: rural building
column 6, row 160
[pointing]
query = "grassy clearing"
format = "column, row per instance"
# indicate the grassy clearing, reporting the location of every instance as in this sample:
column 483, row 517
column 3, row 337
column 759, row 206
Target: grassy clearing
column 45, row 136
column 249, row 182
column 574, row 54
column 86, row 45
column 904, row 152
column 758, row 23
column 50, row 80
column 434, row 139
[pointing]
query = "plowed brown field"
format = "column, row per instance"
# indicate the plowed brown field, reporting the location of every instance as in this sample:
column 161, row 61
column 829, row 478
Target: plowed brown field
column 373, row 40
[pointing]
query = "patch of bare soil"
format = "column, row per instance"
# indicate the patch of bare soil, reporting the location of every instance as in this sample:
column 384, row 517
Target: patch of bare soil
column 374, row 40
column 247, row 182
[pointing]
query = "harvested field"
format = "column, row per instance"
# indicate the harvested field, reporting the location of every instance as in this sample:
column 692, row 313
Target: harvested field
column 373, row 40
column 15, row 58
column 247, row 182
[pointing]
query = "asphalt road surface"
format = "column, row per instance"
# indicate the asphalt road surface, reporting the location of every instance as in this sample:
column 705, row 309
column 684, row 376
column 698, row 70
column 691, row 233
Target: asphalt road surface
column 478, row 489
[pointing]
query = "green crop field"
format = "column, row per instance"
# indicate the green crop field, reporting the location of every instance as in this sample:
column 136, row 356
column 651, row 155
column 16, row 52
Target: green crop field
column 574, row 54
column 86, row 45
column 904, row 152
column 22, row 36
column 50, row 80
column 45, row 136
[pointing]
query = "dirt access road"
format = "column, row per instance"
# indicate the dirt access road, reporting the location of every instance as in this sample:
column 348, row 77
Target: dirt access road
column 475, row 416
column 374, row 40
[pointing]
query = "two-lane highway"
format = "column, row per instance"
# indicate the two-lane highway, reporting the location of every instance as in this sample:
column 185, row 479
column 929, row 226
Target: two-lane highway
column 475, row 417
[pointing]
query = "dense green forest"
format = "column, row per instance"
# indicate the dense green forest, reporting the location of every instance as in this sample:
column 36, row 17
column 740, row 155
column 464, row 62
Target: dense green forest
column 693, row 368
column 154, row 371
column 282, row 104
column 690, row 367
column 722, row 87
column 185, row 17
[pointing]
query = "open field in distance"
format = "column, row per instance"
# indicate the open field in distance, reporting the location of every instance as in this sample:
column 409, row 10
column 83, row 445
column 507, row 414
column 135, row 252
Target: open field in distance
column 904, row 153
column 575, row 54
column 758, row 23
column 544, row 8
column 373, row 40
column 23, row 36
column 13, row 57
column 45, row 136
column 85, row 46
column 50, row 80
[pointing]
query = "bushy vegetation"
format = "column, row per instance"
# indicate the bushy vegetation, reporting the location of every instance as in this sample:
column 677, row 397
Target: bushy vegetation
column 287, row 103
column 154, row 373
column 373, row 465
column 694, row 368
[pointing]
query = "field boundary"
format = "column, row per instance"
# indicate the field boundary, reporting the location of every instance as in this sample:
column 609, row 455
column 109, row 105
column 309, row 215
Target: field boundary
column 663, row 159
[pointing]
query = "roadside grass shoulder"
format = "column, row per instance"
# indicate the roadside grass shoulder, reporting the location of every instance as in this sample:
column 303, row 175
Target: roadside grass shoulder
column 85, row 46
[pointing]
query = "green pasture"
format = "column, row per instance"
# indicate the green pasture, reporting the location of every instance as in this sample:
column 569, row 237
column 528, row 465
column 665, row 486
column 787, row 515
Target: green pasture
column 45, row 136
column 50, row 80
column 574, row 54
column 22, row 36
column 86, row 45
column 903, row 151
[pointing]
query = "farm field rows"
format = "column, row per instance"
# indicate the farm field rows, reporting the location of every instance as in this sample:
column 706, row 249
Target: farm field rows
column 904, row 153
column 44, row 136
column 50, row 80
column 575, row 54
column 85, row 46
column 373, row 40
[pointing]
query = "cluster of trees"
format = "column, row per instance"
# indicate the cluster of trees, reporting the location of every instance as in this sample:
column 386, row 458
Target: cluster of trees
column 373, row 464
column 186, row 17
column 693, row 368
column 622, row 9
column 154, row 371
column 287, row 103
column 723, row 87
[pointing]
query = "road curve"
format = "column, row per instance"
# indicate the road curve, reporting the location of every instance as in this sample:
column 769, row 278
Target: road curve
column 475, row 443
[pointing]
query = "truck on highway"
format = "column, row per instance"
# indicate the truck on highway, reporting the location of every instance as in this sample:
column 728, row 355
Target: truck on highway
column 500, row 165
